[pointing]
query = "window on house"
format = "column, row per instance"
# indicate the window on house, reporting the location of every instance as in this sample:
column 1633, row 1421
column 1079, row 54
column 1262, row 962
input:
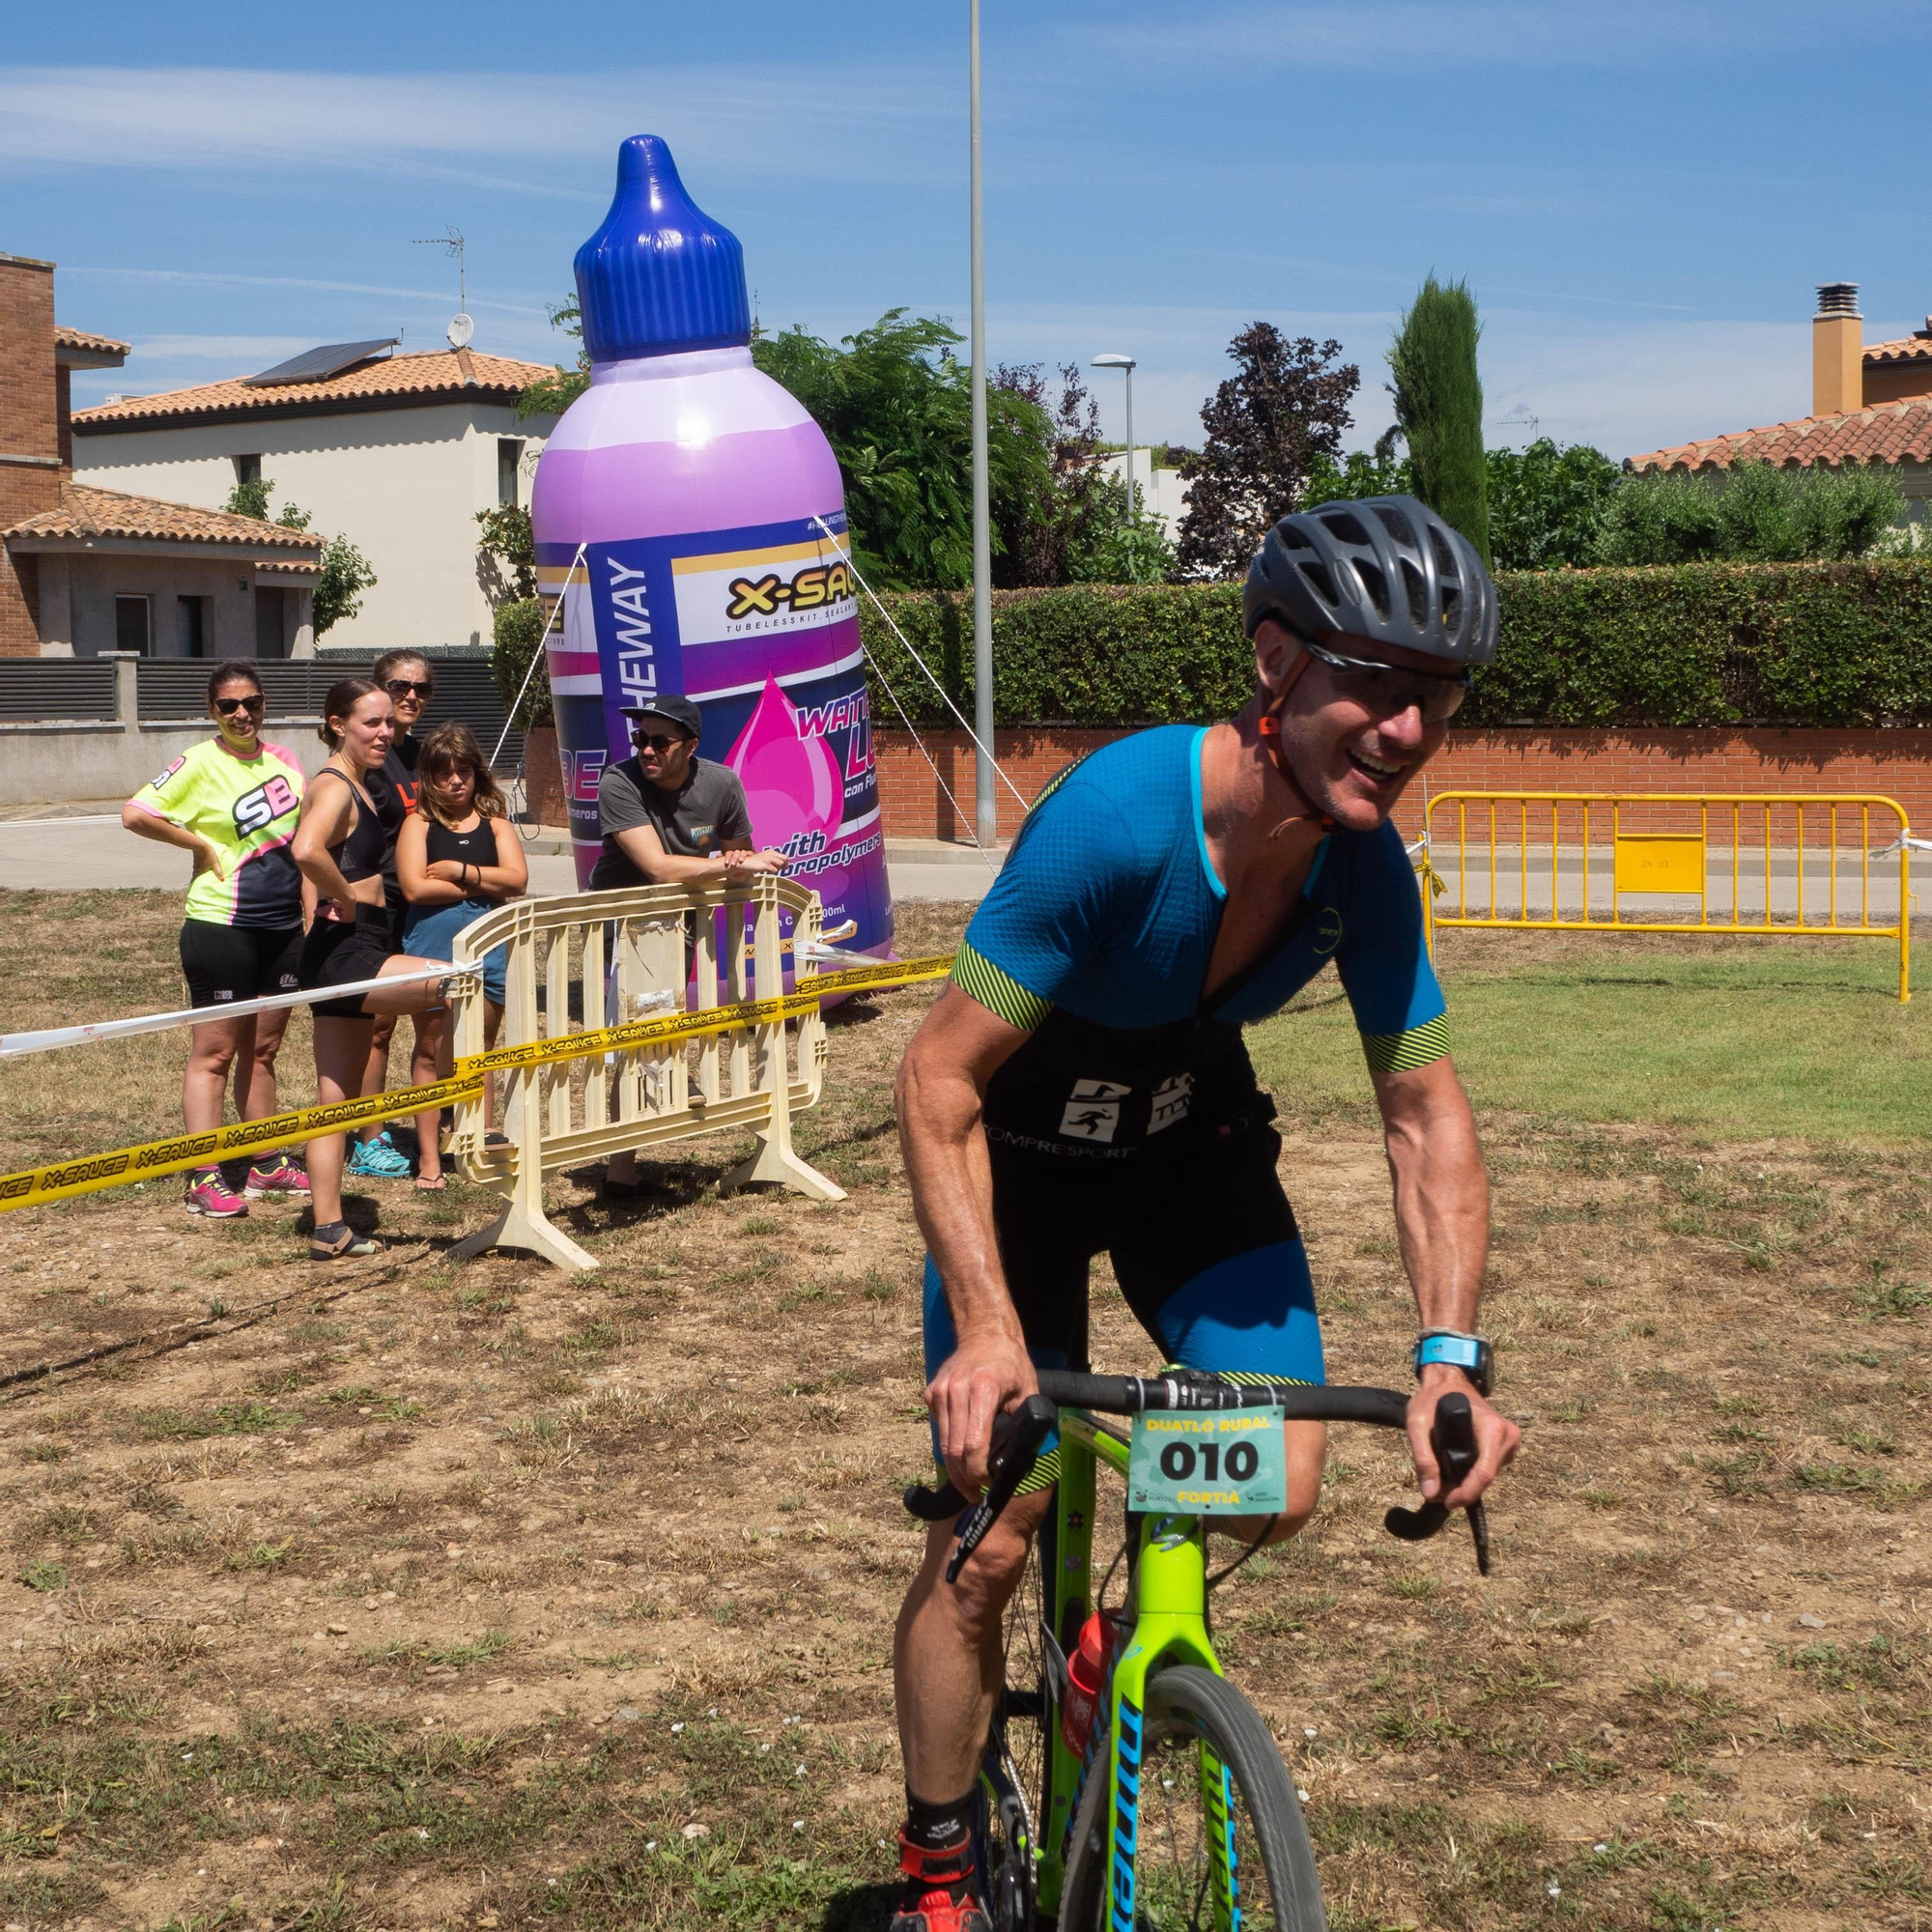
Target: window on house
column 193, row 626
column 132, row 631
column 509, row 462
column 248, row 468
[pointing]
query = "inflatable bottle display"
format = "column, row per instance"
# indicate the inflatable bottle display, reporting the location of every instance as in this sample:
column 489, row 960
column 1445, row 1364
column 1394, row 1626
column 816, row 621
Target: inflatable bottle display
column 711, row 518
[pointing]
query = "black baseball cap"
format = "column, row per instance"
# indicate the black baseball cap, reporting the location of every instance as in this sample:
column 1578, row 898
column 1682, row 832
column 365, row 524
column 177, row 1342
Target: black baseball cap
column 678, row 711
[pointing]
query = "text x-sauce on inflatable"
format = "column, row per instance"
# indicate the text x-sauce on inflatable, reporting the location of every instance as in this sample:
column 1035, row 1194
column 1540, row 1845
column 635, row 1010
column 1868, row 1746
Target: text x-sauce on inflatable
column 698, row 487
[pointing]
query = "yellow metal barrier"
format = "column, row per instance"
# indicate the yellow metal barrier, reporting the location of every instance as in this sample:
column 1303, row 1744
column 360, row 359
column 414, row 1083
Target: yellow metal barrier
column 1538, row 856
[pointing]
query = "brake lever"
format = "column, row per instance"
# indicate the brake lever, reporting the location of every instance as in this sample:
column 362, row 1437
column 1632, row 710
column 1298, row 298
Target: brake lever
column 1453, row 1438
column 1016, row 1440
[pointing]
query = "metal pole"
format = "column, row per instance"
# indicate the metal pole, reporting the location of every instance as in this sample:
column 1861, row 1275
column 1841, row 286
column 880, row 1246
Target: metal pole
column 987, row 810
column 1133, row 493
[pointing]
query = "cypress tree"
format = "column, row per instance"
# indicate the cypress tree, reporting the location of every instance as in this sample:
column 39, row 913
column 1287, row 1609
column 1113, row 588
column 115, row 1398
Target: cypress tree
column 1438, row 404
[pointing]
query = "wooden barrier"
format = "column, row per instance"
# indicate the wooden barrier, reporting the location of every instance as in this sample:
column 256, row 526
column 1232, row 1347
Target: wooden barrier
column 583, row 960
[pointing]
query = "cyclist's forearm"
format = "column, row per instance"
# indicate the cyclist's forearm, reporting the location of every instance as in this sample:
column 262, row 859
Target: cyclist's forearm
column 951, row 1174
column 1441, row 1210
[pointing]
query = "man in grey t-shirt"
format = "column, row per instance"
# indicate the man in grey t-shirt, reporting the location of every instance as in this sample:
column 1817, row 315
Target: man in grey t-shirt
column 669, row 817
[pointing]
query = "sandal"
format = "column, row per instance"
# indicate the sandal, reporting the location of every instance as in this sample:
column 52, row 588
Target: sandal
column 348, row 1246
column 431, row 1183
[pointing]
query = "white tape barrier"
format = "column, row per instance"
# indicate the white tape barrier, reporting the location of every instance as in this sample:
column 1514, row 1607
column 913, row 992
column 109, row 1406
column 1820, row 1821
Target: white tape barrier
column 1903, row 843
column 12, row 1045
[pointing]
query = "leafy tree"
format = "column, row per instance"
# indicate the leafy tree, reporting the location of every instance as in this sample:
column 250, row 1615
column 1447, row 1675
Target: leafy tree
column 1376, row 472
column 506, row 553
column 896, row 406
column 1111, row 548
column 551, row 395
column 346, row 572
column 1754, row 513
column 1547, row 505
column 1267, row 429
column 1438, row 406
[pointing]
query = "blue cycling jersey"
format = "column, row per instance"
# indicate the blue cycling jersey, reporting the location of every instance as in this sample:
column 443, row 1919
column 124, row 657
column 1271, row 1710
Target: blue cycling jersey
column 1097, row 937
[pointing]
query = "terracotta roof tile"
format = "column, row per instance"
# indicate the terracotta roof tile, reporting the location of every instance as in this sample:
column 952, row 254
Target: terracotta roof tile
column 1914, row 348
column 80, row 338
column 440, row 372
column 84, row 511
column 1887, row 433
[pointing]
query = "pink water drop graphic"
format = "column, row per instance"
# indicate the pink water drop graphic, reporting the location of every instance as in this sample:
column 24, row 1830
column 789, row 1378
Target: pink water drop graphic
column 791, row 782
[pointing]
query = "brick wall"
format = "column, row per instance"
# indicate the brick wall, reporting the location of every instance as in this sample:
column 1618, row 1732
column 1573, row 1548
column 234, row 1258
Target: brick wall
column 29, row 428
column 1895, row 764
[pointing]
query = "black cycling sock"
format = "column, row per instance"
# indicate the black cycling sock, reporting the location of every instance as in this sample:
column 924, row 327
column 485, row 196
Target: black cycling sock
column 329, row 1233
column 933, row 1828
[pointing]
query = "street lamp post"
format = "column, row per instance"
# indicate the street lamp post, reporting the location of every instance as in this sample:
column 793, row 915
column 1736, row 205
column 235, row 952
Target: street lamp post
column 985, row 806
column 1126, row 364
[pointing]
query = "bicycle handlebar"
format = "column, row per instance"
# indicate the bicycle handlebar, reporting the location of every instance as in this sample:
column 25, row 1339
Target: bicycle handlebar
column 1019, row 1434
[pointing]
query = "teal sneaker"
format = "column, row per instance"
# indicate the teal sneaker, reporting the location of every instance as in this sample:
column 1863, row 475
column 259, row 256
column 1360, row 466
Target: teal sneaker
column 377, row 1160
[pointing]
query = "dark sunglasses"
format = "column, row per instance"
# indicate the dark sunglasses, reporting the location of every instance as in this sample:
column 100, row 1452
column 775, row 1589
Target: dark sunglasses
column 229, row 706
column 1389, row 690
column 657, row 741
column 401, row 687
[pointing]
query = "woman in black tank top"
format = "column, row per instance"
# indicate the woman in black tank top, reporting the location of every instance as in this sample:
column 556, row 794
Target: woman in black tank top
column 458, row 857
column 339, row 845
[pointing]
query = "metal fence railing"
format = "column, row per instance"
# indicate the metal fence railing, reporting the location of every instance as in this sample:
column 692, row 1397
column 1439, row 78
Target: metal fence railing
column 1791, row 866
column 56, row 691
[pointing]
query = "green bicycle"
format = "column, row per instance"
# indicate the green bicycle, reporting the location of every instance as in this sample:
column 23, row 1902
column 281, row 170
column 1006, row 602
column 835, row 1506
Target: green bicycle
column 1169, row 1806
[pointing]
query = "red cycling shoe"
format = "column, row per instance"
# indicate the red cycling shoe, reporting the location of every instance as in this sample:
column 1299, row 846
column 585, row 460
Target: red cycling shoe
column 939, row 1895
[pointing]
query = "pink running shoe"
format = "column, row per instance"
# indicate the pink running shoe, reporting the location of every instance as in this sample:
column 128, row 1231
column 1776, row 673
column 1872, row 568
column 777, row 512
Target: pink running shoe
column 278, row 1175
column 210, row 1195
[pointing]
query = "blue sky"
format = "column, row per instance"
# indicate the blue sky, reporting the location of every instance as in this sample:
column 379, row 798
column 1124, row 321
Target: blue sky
column 1640, row 195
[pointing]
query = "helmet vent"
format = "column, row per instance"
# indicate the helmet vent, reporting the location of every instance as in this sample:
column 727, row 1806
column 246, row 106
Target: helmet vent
column 1345, row 527
column 1396, row 524
column 1418, row 593
column 1445, row 558
column 1452, row 606
column 1324, row 586
column 1375, row 584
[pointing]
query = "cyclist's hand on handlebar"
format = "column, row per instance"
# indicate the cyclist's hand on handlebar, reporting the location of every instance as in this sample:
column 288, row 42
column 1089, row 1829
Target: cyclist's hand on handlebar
column 1496, row 1436
column 980, row 1377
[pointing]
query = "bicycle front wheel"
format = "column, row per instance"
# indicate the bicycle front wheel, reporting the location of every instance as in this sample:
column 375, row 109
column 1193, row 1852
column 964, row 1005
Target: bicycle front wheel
column 1218, row 1838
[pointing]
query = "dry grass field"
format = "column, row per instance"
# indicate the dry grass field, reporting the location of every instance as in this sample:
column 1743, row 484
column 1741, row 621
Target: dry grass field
column 409, row 1594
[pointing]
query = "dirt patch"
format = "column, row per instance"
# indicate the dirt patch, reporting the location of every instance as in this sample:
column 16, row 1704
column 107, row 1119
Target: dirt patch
column 460, row 1596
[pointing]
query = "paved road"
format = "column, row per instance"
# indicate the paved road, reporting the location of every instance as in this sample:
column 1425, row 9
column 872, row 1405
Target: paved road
column 90, row 852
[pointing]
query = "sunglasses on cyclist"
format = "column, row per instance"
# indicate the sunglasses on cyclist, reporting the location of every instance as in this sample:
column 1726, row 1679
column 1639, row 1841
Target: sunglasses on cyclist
column 657, row 741
column 402, row 686
column 1389, row 690
column 229, row 706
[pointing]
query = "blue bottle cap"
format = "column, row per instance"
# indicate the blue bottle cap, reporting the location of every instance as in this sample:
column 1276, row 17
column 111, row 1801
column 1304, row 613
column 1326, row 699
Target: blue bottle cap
column 660, row 275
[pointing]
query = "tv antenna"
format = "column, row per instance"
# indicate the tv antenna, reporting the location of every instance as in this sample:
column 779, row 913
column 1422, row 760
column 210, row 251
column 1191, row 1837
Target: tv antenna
column 1521, row 418
column 462, row 329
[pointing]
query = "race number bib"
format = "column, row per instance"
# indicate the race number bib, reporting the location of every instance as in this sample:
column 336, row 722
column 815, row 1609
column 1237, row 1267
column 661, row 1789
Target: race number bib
column 1232, row 1463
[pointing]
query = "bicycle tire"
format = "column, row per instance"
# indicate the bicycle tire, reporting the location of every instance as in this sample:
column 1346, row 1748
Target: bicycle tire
column 1186, row 1703
column 1018, row 1749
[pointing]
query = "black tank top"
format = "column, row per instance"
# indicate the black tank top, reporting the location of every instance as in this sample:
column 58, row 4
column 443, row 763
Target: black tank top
column 359, row 855
column 475, row 847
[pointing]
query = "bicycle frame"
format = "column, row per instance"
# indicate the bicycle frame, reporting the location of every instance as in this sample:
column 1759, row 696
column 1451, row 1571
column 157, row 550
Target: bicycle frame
column 1170, row 1626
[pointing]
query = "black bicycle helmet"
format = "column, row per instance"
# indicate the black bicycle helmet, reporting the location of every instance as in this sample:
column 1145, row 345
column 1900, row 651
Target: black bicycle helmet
column 1385, row 567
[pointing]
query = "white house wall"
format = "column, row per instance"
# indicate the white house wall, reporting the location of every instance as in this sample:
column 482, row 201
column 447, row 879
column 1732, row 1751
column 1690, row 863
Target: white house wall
column 404, row 485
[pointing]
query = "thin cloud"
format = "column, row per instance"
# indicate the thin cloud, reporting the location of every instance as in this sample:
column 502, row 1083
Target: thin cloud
column 209, row 279
column 1437, row 34
column 841, row 123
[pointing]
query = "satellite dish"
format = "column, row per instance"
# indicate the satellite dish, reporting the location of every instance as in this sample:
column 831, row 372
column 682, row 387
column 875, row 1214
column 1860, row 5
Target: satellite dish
column 461, row 329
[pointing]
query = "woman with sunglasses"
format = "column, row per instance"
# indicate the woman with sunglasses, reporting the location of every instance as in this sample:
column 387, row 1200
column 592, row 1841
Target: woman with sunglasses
column 231, row 802
column 410, row 683
column 339, row 845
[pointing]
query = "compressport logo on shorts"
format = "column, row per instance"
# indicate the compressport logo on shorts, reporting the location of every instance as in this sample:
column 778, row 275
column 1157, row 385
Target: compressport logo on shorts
column 1172, row 1099
column 1093, row 1110
column 1328, row 930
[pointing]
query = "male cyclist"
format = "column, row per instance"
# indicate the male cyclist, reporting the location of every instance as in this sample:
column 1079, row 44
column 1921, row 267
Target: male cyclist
column 1082, row 1084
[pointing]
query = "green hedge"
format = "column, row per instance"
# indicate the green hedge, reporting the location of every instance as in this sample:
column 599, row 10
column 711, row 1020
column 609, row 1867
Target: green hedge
column 1815, row 644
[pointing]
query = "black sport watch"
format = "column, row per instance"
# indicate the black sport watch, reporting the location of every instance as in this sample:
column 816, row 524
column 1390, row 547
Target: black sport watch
column 1468, row 1353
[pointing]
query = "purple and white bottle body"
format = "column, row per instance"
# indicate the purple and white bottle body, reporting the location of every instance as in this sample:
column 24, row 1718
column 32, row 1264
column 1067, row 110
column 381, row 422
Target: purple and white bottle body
column 708, row 510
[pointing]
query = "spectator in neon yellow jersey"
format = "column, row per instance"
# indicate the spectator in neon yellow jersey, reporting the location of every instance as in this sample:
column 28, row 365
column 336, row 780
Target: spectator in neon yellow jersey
column 232, row 802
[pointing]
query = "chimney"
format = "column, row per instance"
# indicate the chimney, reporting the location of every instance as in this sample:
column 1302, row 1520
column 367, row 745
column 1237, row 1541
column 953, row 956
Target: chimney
column 1837, row 351
column 30, row 464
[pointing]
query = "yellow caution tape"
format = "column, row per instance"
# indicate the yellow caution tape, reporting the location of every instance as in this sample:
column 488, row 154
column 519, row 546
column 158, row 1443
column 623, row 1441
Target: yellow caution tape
column 707, row 1020
column 34, row 1188
column 37, row 1186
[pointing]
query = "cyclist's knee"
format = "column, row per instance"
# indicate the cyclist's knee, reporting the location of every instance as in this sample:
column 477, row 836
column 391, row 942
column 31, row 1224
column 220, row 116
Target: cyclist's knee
column 992, row 1573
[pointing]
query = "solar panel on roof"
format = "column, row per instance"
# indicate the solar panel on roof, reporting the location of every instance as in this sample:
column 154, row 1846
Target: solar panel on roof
column 316, row 366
